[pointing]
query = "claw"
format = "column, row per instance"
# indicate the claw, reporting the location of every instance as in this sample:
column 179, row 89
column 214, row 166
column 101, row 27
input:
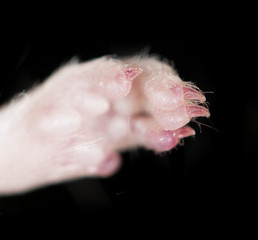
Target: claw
column 166, row 140
column 192, row 93
column 197, row 111
column 185, row 132
column 131, row 72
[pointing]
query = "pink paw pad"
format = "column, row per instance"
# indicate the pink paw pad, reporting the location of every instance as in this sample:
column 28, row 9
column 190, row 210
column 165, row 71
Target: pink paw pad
column 162, row 141
column 56, row 122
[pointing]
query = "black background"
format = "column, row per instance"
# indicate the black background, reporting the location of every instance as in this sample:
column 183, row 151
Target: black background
column 206, row 181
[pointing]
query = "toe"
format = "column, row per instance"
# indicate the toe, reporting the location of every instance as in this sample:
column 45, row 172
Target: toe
column 172, row 120
column 113, row 77
column 149, row 134
column 164, row 97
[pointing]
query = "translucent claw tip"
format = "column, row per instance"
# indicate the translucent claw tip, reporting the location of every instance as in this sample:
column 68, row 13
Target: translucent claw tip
column 132, row 72
column 185, row 132
column 192, row 93
column 197, row 111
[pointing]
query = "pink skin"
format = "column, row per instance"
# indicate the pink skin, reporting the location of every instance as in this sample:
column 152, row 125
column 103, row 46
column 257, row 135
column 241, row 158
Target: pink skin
column 75, row 124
